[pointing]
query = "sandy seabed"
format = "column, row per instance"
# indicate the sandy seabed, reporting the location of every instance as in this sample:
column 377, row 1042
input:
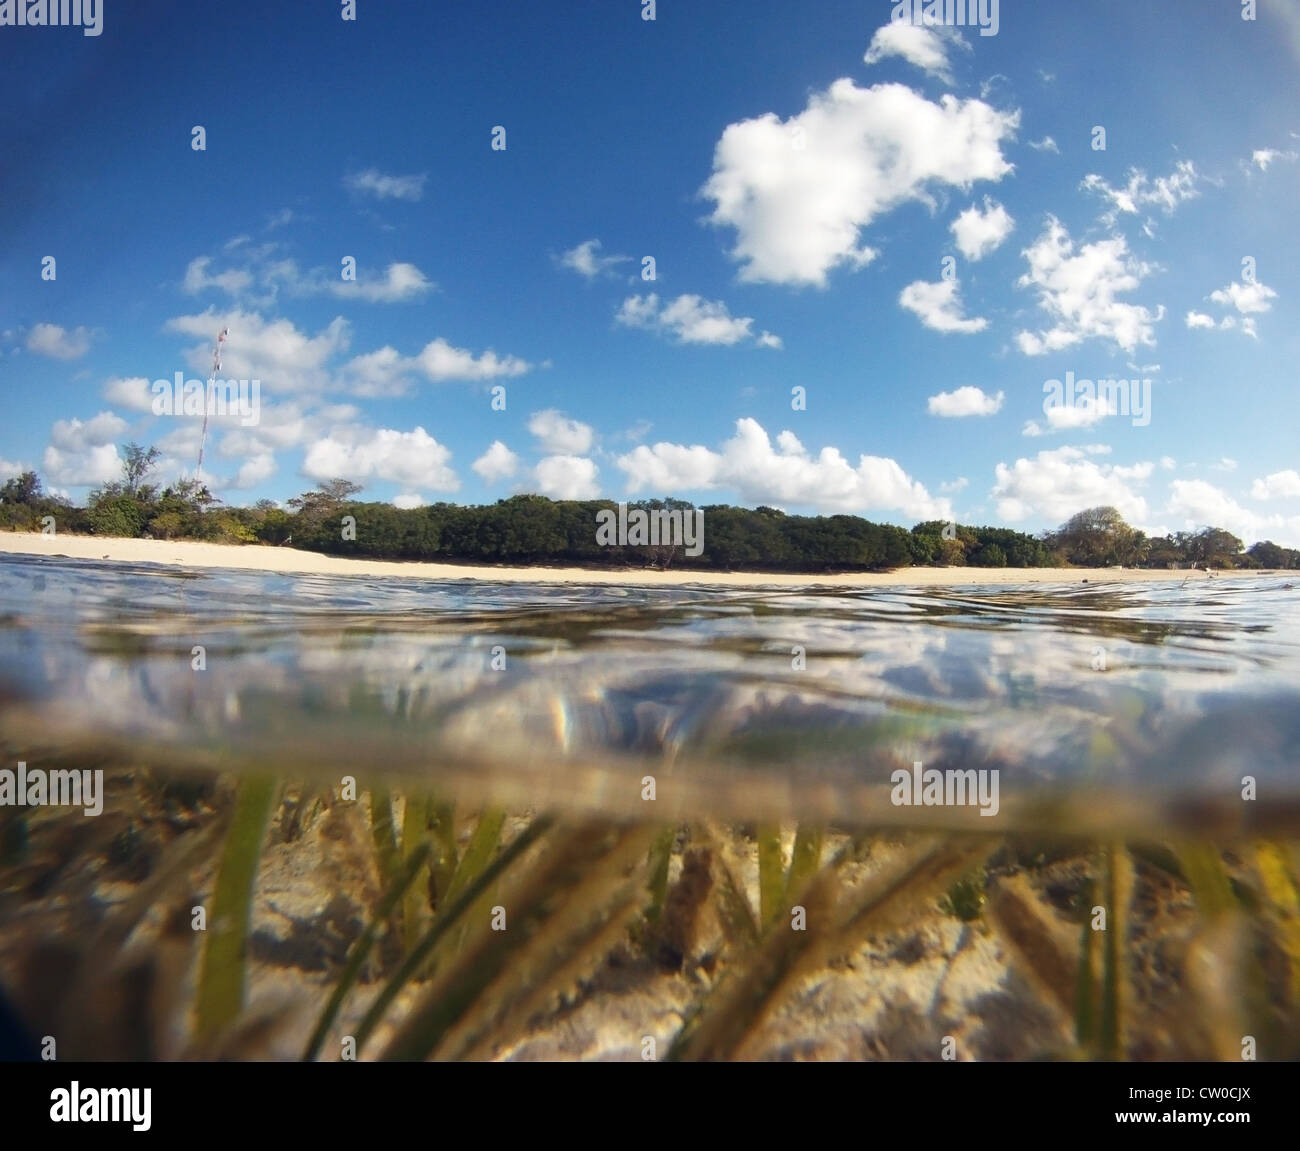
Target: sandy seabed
column 261, row 557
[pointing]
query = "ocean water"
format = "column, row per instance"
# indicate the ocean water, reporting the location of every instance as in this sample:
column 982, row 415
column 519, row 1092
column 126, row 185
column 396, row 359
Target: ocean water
column 1133, row 709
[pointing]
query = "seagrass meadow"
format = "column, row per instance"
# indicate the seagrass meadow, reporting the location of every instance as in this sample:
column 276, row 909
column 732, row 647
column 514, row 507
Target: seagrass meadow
column 345, row 819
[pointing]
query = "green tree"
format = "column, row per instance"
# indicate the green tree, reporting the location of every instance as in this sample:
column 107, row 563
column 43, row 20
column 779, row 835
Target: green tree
column 22, row 489
column 137, row 463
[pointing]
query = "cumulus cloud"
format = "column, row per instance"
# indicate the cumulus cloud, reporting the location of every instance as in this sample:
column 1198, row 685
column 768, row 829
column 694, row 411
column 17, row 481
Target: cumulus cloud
column 383, row 372
column 58, row 343
column 1078, row 292
column 411, row 459
column 400, row 282
column 84, row 452
column 586, row 260
column 979, row 233
column 408, row 500
column 1046, row 144
column 786, row 474
column 497, row 463
column 799, row 192
column 1056, row 484
column 1165, row 192
column 939, row 307
column 276, row 352
column 1277, row 485
column 253, row 471
column 566, row 477
column 1201, row 504
column 559, row 435
column 373, row 182
column 692, row 320
column 966, row 401
column 925, row 47
column 1247, row 298
column 133, row 392
column 440, row 361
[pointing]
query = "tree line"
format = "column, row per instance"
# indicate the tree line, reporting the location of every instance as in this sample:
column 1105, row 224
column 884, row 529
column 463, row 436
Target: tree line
column 533, row 529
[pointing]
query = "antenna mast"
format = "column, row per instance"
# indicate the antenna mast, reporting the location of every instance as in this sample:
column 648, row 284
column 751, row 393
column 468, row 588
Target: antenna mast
column 207, row 398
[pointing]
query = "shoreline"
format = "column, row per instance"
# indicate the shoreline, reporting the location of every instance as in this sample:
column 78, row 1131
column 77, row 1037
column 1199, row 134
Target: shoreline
column 267, row 558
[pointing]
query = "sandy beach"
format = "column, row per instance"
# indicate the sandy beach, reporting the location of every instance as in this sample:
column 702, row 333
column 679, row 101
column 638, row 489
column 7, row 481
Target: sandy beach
column 260, row 557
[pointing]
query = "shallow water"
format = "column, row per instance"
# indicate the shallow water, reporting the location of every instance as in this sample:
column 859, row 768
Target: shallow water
column 1118, row 708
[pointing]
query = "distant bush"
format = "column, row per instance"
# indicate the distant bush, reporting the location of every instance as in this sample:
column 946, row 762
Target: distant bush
column 117, row 516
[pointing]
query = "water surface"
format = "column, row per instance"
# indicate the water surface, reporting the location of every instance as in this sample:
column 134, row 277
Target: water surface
column 1103, row 707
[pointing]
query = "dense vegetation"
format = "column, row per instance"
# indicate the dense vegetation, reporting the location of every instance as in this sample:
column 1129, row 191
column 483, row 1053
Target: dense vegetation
column 531, row 529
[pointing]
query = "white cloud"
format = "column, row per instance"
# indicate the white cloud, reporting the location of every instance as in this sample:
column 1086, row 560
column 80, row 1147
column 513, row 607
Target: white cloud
column 566, row 477
column 1225, row 464
column 979, row 233
column 1165, row 192
column 440, row 361
column 383, row 372
column 233, row 281
column 1248, row 299
column 1083, row 413
column 559, row 435
column 84, row 453
column 798, row 192
column 58, row 343
column 254, row 471
column 758, row 473
column 384, row 187
column 939, row 307
column 410, row 459
column 925, row 47
column 965, row 401
column 73, row 435
column 1168, row 463
column 954, row 486
column 401, row 282
column 1263, row 157
column 1277, row 485
column 692, row 320
column 134, row 393
column 497, row 463
column 1046, row 144
column 585, row 259
column 408, row 500
column 1078, row 292
column 1056, row 484
column 1203, row 505
column 275, row 352
column 398, row 283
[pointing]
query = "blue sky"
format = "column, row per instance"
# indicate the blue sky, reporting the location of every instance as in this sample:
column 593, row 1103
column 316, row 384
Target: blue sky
column 798, row 175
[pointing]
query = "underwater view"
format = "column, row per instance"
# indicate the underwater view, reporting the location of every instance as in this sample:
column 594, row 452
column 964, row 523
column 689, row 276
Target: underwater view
column 264, row 816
